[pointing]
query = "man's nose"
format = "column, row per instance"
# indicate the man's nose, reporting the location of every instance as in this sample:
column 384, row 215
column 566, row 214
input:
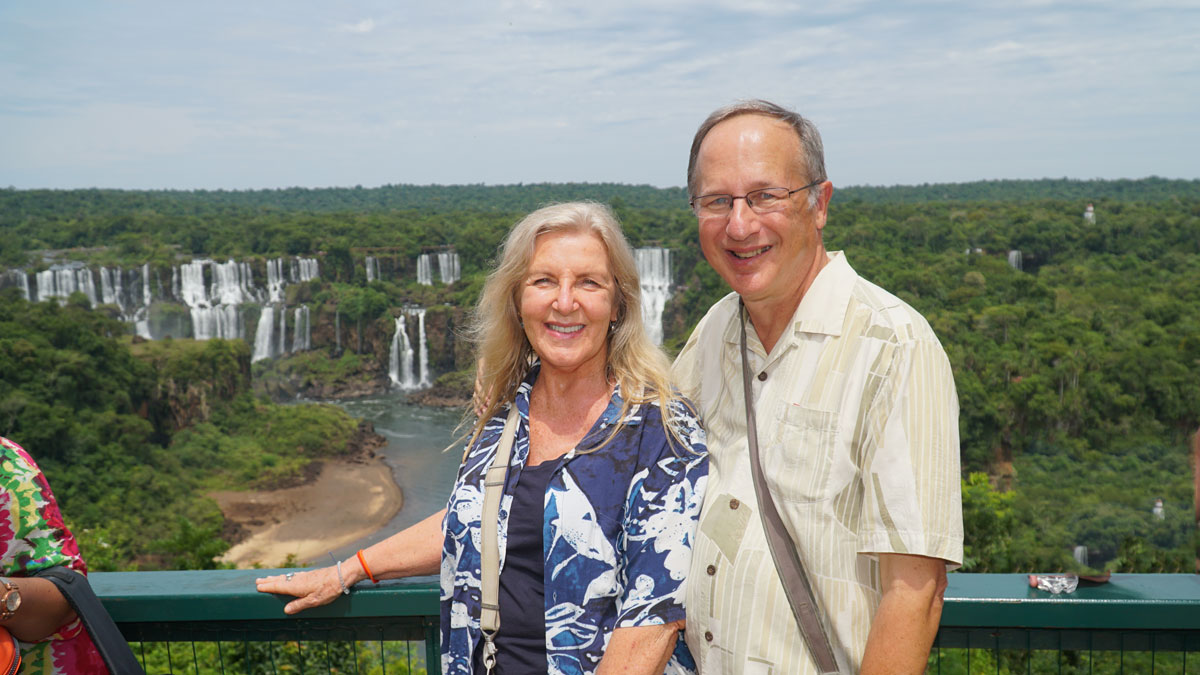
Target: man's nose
column 742, row 222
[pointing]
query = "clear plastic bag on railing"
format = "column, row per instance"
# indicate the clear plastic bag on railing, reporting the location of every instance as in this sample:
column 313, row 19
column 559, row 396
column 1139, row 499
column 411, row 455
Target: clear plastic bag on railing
column 1066, row 583
column 1054, row 583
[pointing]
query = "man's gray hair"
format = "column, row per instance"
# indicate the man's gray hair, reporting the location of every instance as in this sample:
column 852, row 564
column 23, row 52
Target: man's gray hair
column 813, row 161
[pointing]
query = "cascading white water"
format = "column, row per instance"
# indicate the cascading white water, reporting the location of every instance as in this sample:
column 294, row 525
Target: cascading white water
column 654, row 268
column 425, row 270
column 400, row 364
column 86, row 285
column 18, row 279
column 215, row 313
column 275, row 280
column 215, row 307
column 372, row 269
column 422, row 347
column 448, row 266
column 282, row 331
column 60, row 281
column 43, row 283
column 233, row 283
column 301, row 331
column 141, row 310
column 263, row 334
column 110, row 288
column 146, row 285
column 1015, row 260
column 304, row 269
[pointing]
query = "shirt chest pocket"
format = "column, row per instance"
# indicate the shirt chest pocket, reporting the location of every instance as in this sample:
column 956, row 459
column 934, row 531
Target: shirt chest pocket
column 799, row 460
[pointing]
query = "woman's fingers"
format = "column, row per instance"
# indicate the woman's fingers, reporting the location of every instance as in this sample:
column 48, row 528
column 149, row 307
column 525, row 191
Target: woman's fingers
column 312, row 589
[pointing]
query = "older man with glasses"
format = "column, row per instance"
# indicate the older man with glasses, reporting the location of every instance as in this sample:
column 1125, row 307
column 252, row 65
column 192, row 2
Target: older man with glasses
column 832, row 395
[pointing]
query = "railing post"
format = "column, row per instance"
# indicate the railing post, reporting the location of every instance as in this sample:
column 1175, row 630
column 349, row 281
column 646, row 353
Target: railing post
column 433, row 650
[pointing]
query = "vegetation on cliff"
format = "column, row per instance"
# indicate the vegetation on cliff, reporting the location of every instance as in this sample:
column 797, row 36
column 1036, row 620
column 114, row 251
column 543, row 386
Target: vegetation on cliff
column 133, row 435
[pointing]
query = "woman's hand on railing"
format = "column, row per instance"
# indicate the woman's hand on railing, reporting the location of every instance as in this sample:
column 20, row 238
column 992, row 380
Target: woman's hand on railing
column 312, row 588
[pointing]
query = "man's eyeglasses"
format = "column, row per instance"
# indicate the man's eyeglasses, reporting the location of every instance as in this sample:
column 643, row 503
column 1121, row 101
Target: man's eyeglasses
column 766, row 200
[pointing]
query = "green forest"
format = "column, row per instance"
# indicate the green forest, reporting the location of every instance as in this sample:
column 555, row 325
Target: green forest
column 1078, row 374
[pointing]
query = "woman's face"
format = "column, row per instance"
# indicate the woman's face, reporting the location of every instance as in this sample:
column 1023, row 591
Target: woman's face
column 567, row 302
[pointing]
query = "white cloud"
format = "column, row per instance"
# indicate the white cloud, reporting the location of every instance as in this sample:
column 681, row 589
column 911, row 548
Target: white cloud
column 364, row 26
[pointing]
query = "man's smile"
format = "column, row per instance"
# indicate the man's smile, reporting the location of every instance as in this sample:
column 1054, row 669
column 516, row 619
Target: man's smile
column 746, row 255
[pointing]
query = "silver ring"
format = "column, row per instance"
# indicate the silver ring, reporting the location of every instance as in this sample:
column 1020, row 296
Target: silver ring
column 289, row 575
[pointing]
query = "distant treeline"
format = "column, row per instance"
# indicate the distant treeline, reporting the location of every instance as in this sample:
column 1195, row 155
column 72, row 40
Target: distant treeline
column 16, row 205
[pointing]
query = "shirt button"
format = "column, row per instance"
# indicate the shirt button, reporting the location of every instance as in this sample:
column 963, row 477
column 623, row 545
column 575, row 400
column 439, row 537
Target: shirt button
column 708, row 636
column 762, row 377
column 734, row 503
column 712, row 569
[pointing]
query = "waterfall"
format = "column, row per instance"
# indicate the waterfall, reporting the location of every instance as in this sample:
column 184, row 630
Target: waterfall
column 422, row 347
column 1080, row 553
column 301, row 331
column 233, row 283
column 304, row 269
column 60, row 281
column 400, row 365
column 448, row 266
column 372, row 269
column 146, row 285
column 86, row 285
column 18, row 279
column 188, row 281
column 282, row 331
column 424, row 270
column 110, row 288
column 275, row 280
column 215, row 312
column 1015, row 261
column 654, row 268
column 262, row 334
column 140, row 316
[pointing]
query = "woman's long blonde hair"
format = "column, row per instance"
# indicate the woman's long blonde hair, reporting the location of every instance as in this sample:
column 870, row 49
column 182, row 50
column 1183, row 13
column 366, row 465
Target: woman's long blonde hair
column 634, row 362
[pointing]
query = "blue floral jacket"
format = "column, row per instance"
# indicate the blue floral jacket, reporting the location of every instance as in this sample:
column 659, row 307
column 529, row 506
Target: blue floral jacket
column 618, row 532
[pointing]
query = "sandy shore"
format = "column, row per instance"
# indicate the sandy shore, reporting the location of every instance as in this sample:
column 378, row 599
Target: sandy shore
column 348, row 500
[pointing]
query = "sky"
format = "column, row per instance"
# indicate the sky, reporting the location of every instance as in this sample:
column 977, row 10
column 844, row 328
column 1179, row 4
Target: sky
column 267, row 94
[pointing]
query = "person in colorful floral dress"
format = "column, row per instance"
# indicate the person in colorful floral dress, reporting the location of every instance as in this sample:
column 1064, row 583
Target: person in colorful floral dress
column 604, row 484
column 33, row 537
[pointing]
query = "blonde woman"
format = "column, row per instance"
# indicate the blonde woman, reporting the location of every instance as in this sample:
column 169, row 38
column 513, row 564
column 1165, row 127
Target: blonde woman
column 605, row 482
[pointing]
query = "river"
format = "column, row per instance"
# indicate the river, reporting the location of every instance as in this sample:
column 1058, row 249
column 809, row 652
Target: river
column 416, row 436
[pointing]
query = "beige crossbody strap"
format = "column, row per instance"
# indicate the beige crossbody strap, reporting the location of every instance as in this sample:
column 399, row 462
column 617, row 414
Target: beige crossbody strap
column 493, row 490
column 783, row 549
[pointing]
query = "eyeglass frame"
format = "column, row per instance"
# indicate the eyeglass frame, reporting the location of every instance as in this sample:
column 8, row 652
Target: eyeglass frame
column 734, row 198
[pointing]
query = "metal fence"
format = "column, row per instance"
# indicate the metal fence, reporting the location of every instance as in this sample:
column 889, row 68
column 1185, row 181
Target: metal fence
column 215, row 622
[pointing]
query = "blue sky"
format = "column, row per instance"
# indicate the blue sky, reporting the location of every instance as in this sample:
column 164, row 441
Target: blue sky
column 235, row 95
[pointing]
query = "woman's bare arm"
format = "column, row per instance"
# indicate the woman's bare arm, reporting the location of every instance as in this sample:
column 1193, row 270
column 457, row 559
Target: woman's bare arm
column 43, row 609
column 642, row 650
column 414, row 551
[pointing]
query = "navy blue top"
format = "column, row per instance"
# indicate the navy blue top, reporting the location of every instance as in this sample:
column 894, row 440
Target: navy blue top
column 521, row 640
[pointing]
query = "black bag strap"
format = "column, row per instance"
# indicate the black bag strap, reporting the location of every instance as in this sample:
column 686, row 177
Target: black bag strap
column 783, row 549
column 109, row 641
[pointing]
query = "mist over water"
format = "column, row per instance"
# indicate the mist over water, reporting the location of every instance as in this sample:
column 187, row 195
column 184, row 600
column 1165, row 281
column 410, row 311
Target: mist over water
column 416, row 436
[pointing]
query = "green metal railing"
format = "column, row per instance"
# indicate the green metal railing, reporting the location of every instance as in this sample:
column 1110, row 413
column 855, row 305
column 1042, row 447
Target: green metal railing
column 202, row 622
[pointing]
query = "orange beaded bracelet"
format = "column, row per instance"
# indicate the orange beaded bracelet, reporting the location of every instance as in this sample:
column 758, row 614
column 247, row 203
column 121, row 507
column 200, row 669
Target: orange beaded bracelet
column 363, row 561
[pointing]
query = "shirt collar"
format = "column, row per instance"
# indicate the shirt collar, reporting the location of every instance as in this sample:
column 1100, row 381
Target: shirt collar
column 823, row 307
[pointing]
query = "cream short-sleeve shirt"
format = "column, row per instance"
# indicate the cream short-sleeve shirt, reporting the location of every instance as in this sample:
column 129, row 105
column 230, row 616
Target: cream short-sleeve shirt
column 857, row 421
